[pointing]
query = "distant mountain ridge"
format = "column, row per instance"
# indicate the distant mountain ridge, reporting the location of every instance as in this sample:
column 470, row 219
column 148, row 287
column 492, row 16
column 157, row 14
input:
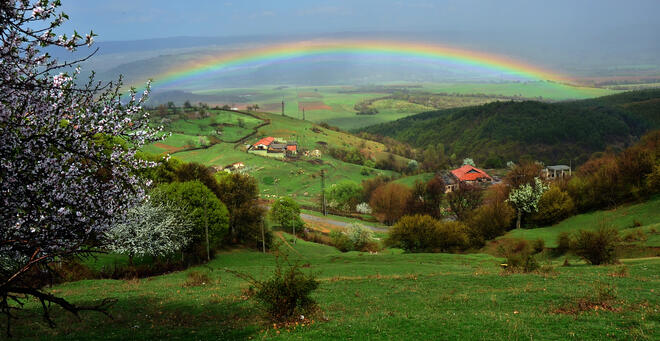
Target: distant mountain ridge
column 551, row 132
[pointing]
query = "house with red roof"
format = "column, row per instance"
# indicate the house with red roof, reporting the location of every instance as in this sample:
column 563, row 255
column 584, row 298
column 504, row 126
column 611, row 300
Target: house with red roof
column 263, row 143
column 291, row 149
column 466, row 174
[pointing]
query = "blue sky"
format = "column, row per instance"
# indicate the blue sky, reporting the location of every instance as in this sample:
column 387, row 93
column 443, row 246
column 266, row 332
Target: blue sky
column 141, row 19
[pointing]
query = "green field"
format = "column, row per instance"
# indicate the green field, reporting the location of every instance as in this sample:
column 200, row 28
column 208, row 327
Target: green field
column 342, row 99
column 623, row 218
column 364, row 296
column 300, row 178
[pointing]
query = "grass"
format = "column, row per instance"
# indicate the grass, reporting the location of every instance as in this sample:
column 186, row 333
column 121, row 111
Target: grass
column 621, row 218
column 410, row 180
column 342, row 101
column 389, row 295
column 299, row 179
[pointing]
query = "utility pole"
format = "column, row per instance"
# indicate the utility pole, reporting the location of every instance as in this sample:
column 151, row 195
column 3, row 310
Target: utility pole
column 263, row 236
column 323, row 191
column 206, row 228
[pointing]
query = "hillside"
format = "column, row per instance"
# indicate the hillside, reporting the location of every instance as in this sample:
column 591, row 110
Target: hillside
column 551, row 132
column 388, row 295
column 220, row 139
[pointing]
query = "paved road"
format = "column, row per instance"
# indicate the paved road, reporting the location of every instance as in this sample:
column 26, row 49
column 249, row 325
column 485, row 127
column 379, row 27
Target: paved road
column 330, row 221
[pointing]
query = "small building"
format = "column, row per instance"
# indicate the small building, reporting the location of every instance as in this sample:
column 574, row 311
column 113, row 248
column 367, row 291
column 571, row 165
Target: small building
column 556, row 172
column 263, row 144
column 277, row 147
column 470, row 175
column 291, row 149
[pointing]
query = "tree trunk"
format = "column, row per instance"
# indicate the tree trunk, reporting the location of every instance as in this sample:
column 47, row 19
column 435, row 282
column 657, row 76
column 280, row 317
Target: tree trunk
column 519, row 218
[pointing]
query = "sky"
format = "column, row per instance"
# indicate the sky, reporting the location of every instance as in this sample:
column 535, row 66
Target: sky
column 118, row 20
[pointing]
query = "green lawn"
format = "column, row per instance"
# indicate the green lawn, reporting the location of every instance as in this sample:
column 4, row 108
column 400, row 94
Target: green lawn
column 621, row 218
column 389, row 295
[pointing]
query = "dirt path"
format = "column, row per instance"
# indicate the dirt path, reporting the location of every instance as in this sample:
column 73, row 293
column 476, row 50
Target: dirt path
column 330, row 221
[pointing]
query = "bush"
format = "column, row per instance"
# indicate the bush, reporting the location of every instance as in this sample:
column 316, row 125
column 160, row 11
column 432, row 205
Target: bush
column 287, row 293
column 538, row 245
column 346, row 194
column 422, row 233
column 202, row 208
column 491, row 220
column 519, row 254
column 597, row 247
column 363, row 208
column 555, row 205
column 341, row 241
column 360, row 236
column 563, row 243
column 286, row 212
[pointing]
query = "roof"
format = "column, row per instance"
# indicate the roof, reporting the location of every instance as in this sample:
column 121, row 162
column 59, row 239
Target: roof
column 265, row 141
column 559, row 168
column 469, row 173
column 277, row 145
column 292, row 147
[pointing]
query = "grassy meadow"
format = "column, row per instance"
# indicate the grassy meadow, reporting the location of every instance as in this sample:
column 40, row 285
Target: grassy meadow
column 628, row 219
column 334, row 104
column 296, row 178
column 362, row 296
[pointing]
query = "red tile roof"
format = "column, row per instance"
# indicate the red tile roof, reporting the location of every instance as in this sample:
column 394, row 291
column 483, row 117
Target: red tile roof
column 469, row 173
column 265, row 141
column 292, row 148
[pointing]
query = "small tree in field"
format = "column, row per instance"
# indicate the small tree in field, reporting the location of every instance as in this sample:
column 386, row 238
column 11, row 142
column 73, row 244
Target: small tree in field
column 150, row 229
column 67, row 155
column 286, row 212
column 526, row 198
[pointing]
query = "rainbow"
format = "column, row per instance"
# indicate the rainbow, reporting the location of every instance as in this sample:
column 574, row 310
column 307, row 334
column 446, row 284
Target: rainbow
column 459, row 58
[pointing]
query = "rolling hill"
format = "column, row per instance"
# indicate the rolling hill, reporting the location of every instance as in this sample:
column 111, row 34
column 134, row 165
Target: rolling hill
column 551, row 132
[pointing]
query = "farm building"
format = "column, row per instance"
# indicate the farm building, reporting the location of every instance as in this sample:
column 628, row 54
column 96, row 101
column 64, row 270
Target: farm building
column 465, row 174
column 277, row 147
column 556, row 172
column 263, row 144
column 235, row 166
column 291, row 149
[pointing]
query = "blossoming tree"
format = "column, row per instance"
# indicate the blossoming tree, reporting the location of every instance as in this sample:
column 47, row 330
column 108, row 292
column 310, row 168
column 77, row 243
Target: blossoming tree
column 526, row 198
column 67, row 154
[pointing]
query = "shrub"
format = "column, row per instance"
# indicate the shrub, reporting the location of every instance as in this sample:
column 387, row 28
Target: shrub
column 563, row 243
column 519, row 254
column 597, row 247
column 196, row 279
column 491, row 220
column 422, row 233
column 340, row 240
column 286, row 212
column 286, row 293
column 346, row 194
column 202, row 208
column 538, row 245
column 554, row 206
column 360, row 236
column 150, row 229
column 363, row 208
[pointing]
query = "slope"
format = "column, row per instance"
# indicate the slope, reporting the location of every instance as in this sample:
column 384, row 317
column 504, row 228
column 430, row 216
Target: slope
column 551, row 132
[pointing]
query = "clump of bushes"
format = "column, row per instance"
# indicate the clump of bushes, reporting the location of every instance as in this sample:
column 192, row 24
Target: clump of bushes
column 596, row 247
column 287, row 293
column 356, row 237
column 555, row 205
column 520, row 255
column 422, row 233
